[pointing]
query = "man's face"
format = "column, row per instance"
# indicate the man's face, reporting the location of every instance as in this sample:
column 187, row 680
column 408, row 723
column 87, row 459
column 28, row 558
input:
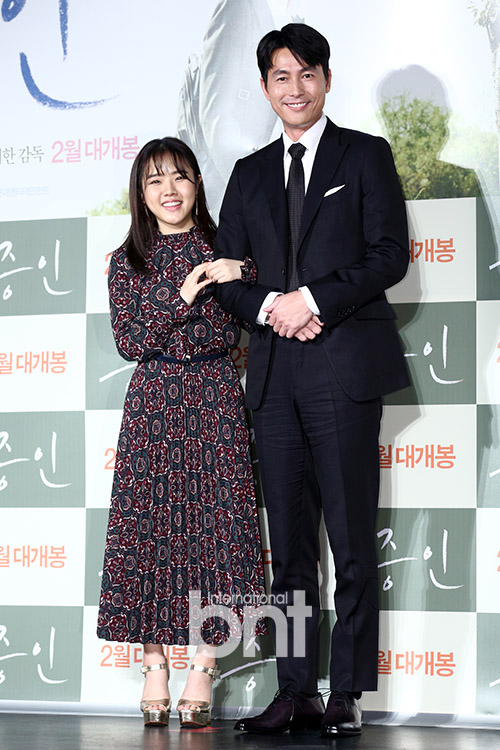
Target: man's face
column 296, row 92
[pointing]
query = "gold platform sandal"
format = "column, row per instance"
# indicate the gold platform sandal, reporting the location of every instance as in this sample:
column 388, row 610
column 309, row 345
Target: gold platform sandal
column 156, row 717
column 201, row 717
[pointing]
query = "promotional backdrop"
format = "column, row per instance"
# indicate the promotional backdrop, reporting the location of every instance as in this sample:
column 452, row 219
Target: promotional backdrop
column 84, row 85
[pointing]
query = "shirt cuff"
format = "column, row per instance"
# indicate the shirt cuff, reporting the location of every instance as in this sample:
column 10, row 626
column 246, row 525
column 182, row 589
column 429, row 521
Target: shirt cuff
column 309, row 299
column 262, row 316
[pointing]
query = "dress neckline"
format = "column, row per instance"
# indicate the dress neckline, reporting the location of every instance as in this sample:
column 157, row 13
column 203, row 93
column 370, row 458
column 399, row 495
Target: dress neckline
column 174, row 236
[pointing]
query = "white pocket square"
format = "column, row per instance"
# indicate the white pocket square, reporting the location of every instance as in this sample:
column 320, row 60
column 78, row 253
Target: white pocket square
column 333, row 190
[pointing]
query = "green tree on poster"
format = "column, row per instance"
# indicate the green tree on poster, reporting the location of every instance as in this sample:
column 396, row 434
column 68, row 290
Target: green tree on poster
column 417, row 130
column 112, row 207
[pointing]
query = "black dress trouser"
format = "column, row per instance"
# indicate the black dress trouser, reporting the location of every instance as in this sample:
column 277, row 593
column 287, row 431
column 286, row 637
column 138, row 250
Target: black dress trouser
column 305, row 413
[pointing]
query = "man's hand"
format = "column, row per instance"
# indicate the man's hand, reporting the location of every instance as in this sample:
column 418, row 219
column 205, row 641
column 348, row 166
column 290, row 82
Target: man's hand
column 288, row 314
column 311, row 330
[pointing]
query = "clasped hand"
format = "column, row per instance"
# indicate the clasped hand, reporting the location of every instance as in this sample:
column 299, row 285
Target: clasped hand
column 290, row 316
column 216, row 271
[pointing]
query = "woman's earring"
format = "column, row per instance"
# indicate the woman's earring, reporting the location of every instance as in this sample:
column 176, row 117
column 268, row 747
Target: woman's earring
column 196, row 205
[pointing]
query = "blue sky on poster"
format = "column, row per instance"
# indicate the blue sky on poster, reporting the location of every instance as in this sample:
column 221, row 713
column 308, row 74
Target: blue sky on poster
column 134, row 56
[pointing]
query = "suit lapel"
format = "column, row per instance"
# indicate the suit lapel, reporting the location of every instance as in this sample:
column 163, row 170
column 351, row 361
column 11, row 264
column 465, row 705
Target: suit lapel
column 274, row 182
column 328, row 157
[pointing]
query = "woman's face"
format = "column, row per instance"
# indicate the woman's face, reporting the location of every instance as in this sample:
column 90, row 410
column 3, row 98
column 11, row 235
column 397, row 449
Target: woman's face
column 170, row 196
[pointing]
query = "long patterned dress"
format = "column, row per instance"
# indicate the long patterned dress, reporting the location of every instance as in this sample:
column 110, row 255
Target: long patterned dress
column 183, row 514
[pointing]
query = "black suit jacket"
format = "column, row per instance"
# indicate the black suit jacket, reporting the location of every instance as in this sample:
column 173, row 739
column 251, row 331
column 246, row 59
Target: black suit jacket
column 353, row 246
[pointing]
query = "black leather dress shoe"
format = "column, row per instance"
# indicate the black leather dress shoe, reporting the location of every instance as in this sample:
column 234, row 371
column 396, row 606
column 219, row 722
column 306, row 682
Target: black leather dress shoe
column 342, row 716
column 289, row 710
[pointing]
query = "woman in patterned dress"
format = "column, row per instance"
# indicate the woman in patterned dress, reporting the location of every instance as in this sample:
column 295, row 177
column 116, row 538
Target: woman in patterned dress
column 183, row 514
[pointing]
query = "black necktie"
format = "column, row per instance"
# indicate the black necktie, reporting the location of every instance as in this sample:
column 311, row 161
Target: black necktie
column 295, row 195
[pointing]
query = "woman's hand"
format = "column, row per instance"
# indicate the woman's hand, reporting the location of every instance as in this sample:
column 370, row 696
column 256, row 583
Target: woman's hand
column 192, row 283
column 224, row 269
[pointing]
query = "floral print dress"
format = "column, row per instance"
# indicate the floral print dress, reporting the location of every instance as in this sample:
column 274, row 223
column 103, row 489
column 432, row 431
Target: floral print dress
column 183, row 513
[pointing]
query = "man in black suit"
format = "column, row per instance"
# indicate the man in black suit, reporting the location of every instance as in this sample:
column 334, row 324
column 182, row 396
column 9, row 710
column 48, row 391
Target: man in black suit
column 326, row 226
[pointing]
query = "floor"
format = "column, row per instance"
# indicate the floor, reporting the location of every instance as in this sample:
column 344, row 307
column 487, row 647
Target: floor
column 49, row 732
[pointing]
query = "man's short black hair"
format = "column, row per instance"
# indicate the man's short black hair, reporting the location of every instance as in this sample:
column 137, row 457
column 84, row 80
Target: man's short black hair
column 305, row 43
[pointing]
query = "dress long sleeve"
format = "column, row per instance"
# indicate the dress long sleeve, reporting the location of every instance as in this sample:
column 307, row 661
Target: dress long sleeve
column 144, row 313
column 148, row 314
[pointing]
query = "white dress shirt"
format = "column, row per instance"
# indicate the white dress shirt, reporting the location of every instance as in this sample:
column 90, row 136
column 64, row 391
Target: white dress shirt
column 310, row 140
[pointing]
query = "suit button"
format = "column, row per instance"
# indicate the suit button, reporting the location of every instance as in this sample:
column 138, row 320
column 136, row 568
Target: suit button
column 283, row 271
